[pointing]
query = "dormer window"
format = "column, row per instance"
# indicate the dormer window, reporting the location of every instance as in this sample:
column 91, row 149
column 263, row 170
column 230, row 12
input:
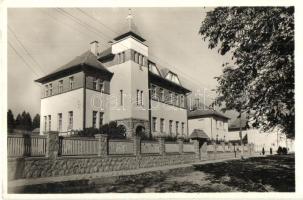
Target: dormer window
column 173, row 77
column 152, row 68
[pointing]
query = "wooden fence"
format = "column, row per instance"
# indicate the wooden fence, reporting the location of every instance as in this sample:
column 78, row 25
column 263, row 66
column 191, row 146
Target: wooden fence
column 25, row 145
column 79, row 146
column 36, row 145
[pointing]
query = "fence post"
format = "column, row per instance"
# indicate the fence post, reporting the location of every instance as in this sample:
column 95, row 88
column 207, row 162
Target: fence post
column 137, row 145
column 223, row 146
column 215, row 150
column 102, row 144
column 197, row 149
column 27, row 145
column 52, row 145
column 161, row 141
column 180, row 143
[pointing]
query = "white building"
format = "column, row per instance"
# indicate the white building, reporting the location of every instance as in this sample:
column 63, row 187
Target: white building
column 212, row 122
column 271, row 139
column 118, row 84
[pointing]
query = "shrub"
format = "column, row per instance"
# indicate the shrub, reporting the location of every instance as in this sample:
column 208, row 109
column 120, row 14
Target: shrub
column 113, row 131
column 279, row 151
column 170, row 138
column 284, row 151
column 87, row 132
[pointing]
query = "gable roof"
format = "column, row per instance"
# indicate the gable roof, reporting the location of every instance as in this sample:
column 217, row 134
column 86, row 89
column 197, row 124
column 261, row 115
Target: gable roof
column 194, row 114
column 87, row 59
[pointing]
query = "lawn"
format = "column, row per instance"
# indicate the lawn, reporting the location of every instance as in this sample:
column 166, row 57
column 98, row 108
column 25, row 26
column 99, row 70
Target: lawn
column 259, row 174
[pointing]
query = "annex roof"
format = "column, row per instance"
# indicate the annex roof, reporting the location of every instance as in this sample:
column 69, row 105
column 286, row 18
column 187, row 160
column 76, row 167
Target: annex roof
column 198, row 133
column 194, row 114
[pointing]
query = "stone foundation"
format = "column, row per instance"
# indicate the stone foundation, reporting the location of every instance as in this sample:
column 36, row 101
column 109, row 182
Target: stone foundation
column 64, row 166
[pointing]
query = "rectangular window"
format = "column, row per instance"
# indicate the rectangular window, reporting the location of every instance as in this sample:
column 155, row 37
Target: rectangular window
column 123, row 57
column 138, row 97
column 49, row 122
column 177, row 127
column 70, row 119
column 136, row 57
column 153, row 92
column 170, row 127
column 101, row 85
column 161, row 125
column 141, row 98
column 46, row 90
column 50, row 89
column 170, row 97
column 71, row 82
column 141, row 60
column 161, row 94
column 45, row 123
column 59, row 121
column 95, row 119
column 60, row 86
column 95, row 83
column 101, row 119
column 182, row 128
column 121, row 97
column 154, row 124
column 182, row 101
column 177, row 100
column 119, row 58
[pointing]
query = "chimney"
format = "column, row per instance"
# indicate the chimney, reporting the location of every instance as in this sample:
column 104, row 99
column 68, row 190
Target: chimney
column 94, row 47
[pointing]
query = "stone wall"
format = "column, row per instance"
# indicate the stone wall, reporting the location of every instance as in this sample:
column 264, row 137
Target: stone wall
column 63, row 166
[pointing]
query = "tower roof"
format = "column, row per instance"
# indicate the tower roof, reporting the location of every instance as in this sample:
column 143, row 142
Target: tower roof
column 131, row 29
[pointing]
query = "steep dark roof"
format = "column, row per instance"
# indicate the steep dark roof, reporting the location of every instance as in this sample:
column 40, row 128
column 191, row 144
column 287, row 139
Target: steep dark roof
column 154, row 78
column 87, row 59
column 198, row 133
column 205, row 113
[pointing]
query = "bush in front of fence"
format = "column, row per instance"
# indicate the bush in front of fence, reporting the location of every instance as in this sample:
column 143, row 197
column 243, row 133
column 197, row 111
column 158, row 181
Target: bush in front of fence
column 113, row 130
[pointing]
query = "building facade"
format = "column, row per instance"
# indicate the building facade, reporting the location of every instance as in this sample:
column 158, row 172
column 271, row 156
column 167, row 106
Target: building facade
column 212, row 122
column 268, row 140
column 118, row 84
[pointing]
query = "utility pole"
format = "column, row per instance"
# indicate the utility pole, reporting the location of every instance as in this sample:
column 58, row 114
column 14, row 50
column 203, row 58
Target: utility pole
column 241, row 142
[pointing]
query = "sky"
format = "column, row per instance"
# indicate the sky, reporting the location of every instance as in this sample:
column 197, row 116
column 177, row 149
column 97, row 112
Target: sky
column 43, row 39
